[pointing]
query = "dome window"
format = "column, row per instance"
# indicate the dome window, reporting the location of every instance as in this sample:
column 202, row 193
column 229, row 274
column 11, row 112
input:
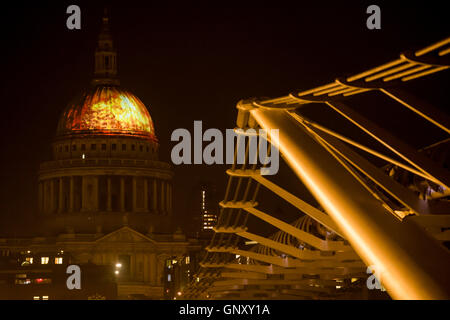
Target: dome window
column 114, row 147
column 103, row 146
column 93, row 146
column 83, row 147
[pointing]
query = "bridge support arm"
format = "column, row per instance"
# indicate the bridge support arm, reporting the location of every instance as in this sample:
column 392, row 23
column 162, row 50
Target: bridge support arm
column 411, row 263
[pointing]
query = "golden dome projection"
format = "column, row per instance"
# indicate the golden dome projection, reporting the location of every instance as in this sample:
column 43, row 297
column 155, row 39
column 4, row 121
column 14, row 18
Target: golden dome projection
column 107, row 110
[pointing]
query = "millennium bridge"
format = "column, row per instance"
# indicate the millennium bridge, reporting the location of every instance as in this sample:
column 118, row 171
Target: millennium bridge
column 381, row 199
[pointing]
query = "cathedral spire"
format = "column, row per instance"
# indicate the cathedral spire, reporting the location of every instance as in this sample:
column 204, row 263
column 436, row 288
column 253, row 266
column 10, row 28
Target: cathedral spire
column 105, row 56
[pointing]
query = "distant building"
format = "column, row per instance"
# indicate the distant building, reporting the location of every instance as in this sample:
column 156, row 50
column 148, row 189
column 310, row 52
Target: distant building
column 105, row 199
column 27, row 276
column 208, row 206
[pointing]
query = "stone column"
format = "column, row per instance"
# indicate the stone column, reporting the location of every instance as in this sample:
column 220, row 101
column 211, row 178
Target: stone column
column 171, row 198
column 40, row 198
column 72, row 194
column 134, row 193
column 133, row 269
column 155, row 196
column 163, row 200
column 84, row 196
column 45, row 198
column 145, row 194
column 146, row 267
column 160, row 270
column 108, row 194
column 95, row 188
column 168, row 197
column 52, row 196
column 153, row 269
column 122, row 194
column 61, row 195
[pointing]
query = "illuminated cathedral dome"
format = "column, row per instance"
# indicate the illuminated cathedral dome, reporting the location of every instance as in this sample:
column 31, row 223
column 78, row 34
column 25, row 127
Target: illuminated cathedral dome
column 107, row 110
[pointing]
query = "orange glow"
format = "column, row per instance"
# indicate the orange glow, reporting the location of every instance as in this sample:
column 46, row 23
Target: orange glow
column 107, row 110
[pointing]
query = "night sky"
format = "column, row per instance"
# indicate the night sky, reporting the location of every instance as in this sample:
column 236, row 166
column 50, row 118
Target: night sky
column 185, row 62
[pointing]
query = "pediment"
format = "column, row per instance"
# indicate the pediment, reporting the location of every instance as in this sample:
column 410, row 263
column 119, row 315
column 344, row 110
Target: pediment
column 125, row 234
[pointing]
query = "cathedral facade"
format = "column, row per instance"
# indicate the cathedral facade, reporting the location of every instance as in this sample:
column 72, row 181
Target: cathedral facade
column 105, row 198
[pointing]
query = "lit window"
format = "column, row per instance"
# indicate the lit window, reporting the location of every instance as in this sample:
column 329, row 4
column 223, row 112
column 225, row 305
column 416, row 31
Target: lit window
column 58, row 260
column 29, row 260
column 22, row 281
column 44, row 297
column 44, row 260
column 36, row 298
column 169, row 277
column 188, row 259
